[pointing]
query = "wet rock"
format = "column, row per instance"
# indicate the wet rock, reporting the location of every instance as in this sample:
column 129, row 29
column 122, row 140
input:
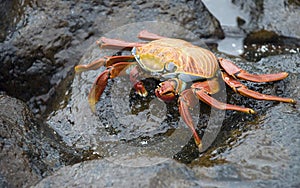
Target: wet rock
column 262, row 37
column 16, row 167
column 263, row 151
column 117, row 131
column 12, row 17
column 29, row 150
column 103, row 173
column 124, row 123
column 250, row 151
column 37, row 59
column 280, row 17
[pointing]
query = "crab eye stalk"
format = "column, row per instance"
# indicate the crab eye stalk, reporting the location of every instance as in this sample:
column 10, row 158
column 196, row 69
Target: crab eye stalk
column 170, row 67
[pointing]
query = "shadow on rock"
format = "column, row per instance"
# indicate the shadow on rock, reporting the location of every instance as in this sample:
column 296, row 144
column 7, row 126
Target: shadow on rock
column 29, row 150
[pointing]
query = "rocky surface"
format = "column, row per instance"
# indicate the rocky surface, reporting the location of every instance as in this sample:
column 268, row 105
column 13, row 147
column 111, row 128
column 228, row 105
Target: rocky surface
column 279, row 16
column 16, row 169
column 39, row 57
column 263, row 152
column 130, row 140
column 102, row 173
column 249, row 151
column 29, row 150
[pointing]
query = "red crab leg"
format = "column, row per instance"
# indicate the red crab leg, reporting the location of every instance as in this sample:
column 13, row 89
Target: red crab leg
column 243, row 90
column 149, row 36
column 188, row 100
column 108, row 61
column 118, row 44
column 202, row 91
column 235, row 71
column 101, row 82
column 137, row 84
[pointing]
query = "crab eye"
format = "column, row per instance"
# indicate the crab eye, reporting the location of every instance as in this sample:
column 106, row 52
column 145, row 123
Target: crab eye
column 133, row 51
column 170, row 67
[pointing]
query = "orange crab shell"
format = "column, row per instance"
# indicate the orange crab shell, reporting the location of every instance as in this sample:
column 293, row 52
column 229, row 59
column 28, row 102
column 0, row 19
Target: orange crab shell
column 175, row 56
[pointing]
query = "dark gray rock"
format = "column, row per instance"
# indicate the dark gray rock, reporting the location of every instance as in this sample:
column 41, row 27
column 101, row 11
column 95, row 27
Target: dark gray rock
column 16, row 167
column 264, row 151
column 29, row 150
column 37, row 59
column 12, row 17
column 218, row 165
column 103, row 173
column 123, row 120
column 281, row 17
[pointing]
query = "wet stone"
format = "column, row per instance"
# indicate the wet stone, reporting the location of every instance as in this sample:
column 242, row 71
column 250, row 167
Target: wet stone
column 137, row 138
column 264, row 151
column 279, row 16
column 103, row 173
column 124, row 123
column 260, row 151
column 16, row 167
column 219, row 165
column 29, row 150
column 39, row 55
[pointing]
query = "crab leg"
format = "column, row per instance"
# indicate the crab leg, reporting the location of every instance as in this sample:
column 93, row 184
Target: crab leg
column 243, row 90
column 149, row 36
column 167, row 91
column 202, row 91
column 187, row 100
column 101, row 82
column 237, row 72
column 137, row 84
column 108, row 61
column 118, row 44
column 110, row 73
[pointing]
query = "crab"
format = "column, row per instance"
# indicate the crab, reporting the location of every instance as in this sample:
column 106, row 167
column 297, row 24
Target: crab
column 176, row 62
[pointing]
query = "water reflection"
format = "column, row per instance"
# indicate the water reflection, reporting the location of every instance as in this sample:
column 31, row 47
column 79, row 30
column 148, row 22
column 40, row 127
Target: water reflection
column 233, row 42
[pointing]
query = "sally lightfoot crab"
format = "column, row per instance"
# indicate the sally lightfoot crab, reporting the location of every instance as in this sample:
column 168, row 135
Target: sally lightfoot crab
column 176, row 62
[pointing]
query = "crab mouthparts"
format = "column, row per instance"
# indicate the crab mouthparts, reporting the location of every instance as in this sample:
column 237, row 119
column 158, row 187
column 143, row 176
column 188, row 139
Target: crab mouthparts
column 165, row 91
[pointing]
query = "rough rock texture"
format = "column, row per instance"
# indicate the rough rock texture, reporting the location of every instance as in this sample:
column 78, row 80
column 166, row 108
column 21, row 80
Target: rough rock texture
column 29, row 150
column 39, row 57
column 249, row 151
column 16, row 168
column 281, row 16
column 12, row 16
column 264, row 151
column 43, row 42
column 261, row 151
column 102, row 173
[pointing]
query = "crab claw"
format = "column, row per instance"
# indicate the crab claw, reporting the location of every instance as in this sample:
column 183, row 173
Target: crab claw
column 140, row 89
column 166, row 90
column 97, row 89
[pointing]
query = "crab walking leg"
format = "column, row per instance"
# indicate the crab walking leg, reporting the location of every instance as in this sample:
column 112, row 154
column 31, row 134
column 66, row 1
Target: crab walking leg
column 118, row 44
column 137, row 84
column 187, row 100
column 237, row 72
column 243, row 90
column 149, row 36
column 101, row 82
column 107, row 61
column 202, row 91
